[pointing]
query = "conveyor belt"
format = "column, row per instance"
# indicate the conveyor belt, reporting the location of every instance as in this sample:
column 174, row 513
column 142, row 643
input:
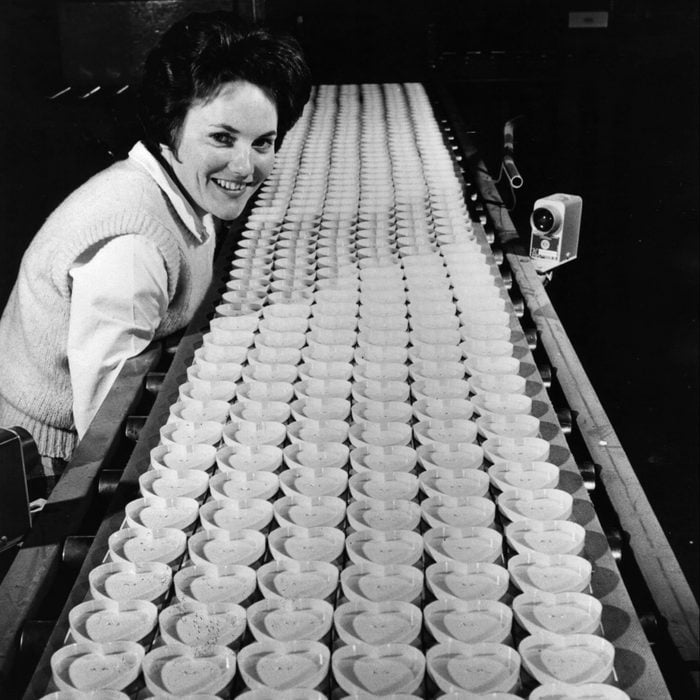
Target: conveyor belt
column 363, row 222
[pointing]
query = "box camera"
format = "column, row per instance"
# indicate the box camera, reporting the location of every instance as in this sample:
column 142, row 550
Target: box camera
column 555, row 223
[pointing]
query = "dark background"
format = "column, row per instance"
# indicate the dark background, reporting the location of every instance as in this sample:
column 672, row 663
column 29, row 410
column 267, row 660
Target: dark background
column 609, row 114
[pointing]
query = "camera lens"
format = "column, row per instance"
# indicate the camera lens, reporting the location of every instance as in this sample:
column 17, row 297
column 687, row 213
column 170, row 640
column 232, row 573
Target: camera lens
column 543, row 220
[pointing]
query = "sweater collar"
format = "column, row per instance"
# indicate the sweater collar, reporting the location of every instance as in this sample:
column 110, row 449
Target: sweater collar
column 202, row 228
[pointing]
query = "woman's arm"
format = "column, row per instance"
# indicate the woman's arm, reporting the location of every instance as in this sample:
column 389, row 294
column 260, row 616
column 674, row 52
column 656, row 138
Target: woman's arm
column 119, row 298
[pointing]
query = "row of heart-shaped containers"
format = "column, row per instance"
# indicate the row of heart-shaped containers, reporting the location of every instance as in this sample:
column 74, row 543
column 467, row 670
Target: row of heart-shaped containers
column 359, row 586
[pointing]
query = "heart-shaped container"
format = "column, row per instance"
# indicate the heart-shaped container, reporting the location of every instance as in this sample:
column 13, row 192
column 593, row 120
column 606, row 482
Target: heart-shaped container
column 306, row 544
column 180, row 670
column 507, row 475
column 383, row 515
column 266, row 432
column 317, row 352
column 546, row 536
column 435, row 369
column 376, row 583
column 498, row 405
column 259, row 411
column 328, row 322
column 550, row 573
column 426, row 322
column 293, row 579
column 200, row 583
column 317, row 432
column 284, row 665
column 468, row 511
column 388, row 622
column 384, row 547
column 236, row 485
column 217, row 348
column 221, row 548
column 539, row 504
column 302, row 511
column 202, row 624
column 174, row 483
column 443, row 409
column 397, row 458
column 212, row 372
column 330, row 455
column 445, row 389
column 103, row 621
column 433, row 336
column 103, row 694
column 320, row 409
column 122, row 581
column 193, row 411
column 314, row 483
column 481, row 668
column 497, row 384
column 434, row 352
column 467, row 545
column 530, row 449
column 560, row 613
column 584, row 691
column 492, row 365
column 469, row 621
column 452, row 580
column 518, row 426
column 381, row 412
column 88, row 666
column 571, row 658
column 186, row 433
column 279, row 324
column 383, row 390
column 383, row 486
column 265, row 354
column 387, row 670
column 322, row 389
column 450, row 457
column 231, row 323
column 139, row 545
column 183, row 457
column 458, row 483
column 206, row 390
column 445, row 432
column 234, row 515
column 286, row 620
column 380, row 353
column 249, row 458
column 156, row 513
column 253, row 390
column 472, row 347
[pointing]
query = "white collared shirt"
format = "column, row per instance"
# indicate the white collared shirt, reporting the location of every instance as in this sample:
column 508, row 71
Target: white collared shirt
column 119, row 297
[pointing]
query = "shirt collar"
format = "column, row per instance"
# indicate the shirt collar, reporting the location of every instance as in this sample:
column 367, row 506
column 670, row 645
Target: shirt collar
column 201, row 227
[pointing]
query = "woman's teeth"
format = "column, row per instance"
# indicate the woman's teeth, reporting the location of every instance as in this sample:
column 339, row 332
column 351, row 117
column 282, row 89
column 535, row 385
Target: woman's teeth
column 230, row 186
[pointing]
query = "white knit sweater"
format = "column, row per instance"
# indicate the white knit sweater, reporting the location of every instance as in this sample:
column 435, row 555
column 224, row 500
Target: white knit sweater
column 35, row 387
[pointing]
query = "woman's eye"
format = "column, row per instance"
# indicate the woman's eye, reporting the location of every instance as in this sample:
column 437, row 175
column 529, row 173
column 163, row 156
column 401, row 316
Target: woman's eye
column 264, row 146
column 223, row 138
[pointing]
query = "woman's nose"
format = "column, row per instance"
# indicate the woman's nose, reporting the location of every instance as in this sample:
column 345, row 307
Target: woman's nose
column 241, row 162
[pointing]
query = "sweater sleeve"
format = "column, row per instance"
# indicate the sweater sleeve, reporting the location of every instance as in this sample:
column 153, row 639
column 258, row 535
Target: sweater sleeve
column 119, row 298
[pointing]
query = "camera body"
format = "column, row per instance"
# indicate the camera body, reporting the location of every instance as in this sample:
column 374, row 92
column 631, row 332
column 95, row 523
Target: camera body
column 555, row 223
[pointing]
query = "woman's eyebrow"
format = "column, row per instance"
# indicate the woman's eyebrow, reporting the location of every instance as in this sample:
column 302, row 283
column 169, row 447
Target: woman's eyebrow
column 231, row 130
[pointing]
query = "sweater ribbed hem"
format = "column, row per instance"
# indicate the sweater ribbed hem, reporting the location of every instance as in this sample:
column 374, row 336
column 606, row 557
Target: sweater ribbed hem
column 50, row 441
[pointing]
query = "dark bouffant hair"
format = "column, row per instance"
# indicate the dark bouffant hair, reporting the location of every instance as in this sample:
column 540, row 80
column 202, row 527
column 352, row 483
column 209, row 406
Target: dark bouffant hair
column 205, row 50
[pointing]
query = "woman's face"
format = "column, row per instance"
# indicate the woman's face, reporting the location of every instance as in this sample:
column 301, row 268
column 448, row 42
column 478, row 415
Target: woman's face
column 226, row 148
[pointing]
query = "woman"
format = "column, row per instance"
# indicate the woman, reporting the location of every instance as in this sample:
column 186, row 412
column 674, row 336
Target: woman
column 127, row 258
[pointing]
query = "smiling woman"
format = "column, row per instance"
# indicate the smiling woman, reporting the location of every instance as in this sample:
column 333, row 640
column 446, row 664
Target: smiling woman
column 127, row 257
